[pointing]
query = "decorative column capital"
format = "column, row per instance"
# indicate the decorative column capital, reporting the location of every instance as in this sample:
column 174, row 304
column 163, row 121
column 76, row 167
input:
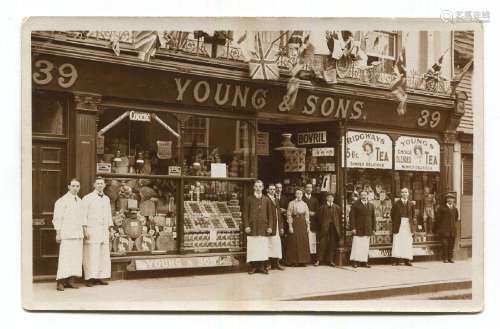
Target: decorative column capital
column 449, row 137
column 87, row 101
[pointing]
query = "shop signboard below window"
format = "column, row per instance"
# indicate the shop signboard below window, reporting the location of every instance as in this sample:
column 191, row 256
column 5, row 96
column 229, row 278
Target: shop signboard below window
column 417, row 154
column 368, row 150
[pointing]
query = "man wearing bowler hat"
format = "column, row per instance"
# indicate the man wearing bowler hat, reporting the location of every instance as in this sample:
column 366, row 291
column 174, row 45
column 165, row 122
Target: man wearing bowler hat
column 446, row 219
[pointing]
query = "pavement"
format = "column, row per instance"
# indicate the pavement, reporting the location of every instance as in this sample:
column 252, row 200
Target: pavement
column 425, row 280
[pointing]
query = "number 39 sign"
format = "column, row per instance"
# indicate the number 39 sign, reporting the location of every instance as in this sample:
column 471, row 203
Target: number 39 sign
column 45, row 71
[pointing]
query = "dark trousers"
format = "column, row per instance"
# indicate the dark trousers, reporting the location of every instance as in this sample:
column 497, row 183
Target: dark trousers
column 327, row 245
column 448, row 244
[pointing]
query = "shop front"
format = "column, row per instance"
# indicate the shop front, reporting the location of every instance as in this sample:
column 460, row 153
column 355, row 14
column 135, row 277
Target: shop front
column 179, row 144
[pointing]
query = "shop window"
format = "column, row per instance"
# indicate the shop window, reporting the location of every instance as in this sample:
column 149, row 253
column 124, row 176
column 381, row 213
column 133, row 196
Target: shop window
column 144, row 216
column 212, row 216
column 48, row 115
column 145, row 206
column 196, row 131
column 226, row 149
column 378, row 185
column 137, row 147
column 424, row 192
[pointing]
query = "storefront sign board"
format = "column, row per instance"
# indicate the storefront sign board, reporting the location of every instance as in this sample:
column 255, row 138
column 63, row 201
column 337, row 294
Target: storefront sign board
column 368, row 150
column 184, row 262
column 417, row 154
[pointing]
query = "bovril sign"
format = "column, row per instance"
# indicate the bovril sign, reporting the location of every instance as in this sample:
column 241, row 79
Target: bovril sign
column 313, row 137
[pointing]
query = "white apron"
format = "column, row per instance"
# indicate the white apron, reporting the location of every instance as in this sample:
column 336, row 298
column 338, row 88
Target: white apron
column 96, row 261
column 360, row 248
column 402, row 243
column 257, row 248
column 70, row 258
column 275, row 244
column 312, row 242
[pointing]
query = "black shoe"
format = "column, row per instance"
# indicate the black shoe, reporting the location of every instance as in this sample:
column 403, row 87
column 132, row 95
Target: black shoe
column 395, row 263
column 332, row 264
column 89, row 283
column 101, row 282
column 60, row 285
column 445, row 261
column 252, row 270
column 278, row 267
column 408, row 263
column 316, row 263
column 264, row 270
column 365, row 265
column 355, row 265
column 451, row 261
column 71, row 283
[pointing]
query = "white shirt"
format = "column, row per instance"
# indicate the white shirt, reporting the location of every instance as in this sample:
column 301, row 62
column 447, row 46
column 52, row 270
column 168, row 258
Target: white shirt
column 68, row 218
column 97, row 216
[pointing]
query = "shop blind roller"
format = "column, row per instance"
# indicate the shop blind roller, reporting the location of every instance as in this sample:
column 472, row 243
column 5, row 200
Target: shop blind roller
column 467, row 174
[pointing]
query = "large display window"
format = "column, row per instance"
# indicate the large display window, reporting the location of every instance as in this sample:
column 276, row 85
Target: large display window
column 175, row 186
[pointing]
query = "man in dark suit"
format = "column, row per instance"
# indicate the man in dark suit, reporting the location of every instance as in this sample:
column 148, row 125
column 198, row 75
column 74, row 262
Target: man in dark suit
column 329, row 216
column 446, row 219
column 403, row 228
column 313, row 205
column 275, row 250
column 257, row 220
column 362, row 218
column 282, row 201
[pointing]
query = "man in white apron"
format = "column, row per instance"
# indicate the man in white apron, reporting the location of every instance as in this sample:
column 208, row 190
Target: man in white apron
column 275, row 251
column 362, row 218
column 403, row 228
column 68, row 224
column 257, row 223
column 98, row 218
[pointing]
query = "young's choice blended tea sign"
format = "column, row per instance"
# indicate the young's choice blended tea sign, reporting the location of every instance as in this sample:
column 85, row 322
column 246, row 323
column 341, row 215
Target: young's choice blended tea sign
column 417, row 154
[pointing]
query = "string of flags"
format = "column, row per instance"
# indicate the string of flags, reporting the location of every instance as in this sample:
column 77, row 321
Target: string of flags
column 344, row 51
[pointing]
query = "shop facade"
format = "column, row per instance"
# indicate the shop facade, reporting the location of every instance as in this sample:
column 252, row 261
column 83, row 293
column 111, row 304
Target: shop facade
column 180, row 141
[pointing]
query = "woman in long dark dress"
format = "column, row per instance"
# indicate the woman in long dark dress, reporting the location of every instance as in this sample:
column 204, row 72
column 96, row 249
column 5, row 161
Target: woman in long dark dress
column 297, row 241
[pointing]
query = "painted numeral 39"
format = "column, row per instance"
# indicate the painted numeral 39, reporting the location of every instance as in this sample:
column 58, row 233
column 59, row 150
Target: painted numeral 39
column 44, row 73
column 429, row 119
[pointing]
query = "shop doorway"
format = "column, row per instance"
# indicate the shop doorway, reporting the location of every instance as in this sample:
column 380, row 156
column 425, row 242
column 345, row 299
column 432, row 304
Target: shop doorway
column 314, row 159
column 49, row 176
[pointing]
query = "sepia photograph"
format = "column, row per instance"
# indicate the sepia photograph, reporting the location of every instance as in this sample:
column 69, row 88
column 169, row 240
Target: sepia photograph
column 252, row 164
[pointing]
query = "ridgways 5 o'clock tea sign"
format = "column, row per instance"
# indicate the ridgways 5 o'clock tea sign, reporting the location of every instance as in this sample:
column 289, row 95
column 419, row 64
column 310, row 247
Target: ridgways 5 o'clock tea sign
column 368, row 150
column 417, row 154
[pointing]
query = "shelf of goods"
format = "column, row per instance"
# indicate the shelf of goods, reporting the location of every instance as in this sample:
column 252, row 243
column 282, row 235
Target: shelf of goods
column 212, row 225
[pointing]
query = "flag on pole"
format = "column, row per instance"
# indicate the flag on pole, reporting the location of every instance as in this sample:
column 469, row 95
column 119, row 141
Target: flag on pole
column 262, row 65
column 243, row 39
column 459, row 76
column 148, row 42
column 398, row 86
column 434, row 73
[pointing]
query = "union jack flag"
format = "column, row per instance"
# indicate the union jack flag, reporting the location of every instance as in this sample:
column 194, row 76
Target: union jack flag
column 262, row 66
